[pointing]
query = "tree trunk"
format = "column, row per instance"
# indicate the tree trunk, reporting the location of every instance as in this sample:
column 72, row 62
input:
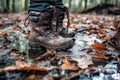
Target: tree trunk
column 106, row 1
column 26, row 4
column 4, row 6
column 13, row 6
column 85, row 4
column 70, row 3
column 7, row 5
column 117, row 3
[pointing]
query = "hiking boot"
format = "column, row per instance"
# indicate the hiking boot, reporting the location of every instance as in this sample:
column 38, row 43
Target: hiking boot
column 43, row 33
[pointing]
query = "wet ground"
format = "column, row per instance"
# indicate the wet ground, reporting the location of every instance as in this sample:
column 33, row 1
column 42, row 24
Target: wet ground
column 91, row 57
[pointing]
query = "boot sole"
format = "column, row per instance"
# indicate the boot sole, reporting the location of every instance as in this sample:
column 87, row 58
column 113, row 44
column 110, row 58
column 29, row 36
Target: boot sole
column 63, row 47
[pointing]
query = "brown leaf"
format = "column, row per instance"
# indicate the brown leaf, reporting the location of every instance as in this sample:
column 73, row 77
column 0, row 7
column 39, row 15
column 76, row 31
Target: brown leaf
column 5, row 33
column 8, row 47
column 118, row 58
column 99, row 56
column 24, row 66
column 16, row 28
column 1, row 25
column 116, row 23
column 21, row 64
column 10, row 68
column 95, row 21
column 99, row 47
column 84, row 62
column 93, row 31
column 27, row 35
column 17, row 18
column 31, row 77
column 14, row 54
column 52, row 52
column 69, row 64
column 32, row 68
column 102, row 31
column 107, row 38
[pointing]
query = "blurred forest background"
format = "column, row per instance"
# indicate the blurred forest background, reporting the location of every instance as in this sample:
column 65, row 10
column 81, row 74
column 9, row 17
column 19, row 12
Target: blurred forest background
column 74, row 5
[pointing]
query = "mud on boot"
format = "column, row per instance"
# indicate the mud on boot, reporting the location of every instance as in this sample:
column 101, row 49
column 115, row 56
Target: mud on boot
column 43, row 31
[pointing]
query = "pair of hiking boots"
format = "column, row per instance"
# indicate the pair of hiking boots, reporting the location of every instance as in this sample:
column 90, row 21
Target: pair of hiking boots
column 47, row 30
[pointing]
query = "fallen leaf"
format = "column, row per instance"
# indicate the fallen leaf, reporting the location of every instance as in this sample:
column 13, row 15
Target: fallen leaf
column 107, row 38
column 83, row 62
column 10, row 68
column 116, row 23
column 69, row 64
column 52, row 52
column 98, row 55
column 102, row 31
column 15, row 54
column 27, row 35
column 16, row 28
column 118, row 58
column 92, row 31
column 5, row 33
column 32, row 68
column 21, row 64
column 95, row 21
column 17, row 18
column 31, row 77
column 99, row 47
column 1, row 23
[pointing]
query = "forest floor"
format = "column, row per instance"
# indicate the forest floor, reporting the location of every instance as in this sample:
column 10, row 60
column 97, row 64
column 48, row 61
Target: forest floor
column 93, row 57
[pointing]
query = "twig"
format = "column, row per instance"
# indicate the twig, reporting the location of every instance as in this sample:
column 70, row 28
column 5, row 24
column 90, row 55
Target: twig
column 41, row 57
column 45, row 55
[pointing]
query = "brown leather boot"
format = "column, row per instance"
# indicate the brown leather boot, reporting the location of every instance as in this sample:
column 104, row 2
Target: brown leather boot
column 43, row 32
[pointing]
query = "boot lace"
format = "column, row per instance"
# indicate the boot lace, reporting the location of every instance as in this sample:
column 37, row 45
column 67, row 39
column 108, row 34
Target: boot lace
column 57, row 21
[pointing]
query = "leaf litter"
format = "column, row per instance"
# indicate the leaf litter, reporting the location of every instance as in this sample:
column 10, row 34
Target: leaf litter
column 94, row 56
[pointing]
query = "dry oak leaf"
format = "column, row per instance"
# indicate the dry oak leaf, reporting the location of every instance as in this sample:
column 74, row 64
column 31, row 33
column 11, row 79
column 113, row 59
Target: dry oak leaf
column 99, row 56
column 69, row 65
column 21, row 65
column 99, row 47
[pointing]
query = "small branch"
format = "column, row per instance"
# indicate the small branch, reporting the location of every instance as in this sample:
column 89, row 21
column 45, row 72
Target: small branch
column 45, row 55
